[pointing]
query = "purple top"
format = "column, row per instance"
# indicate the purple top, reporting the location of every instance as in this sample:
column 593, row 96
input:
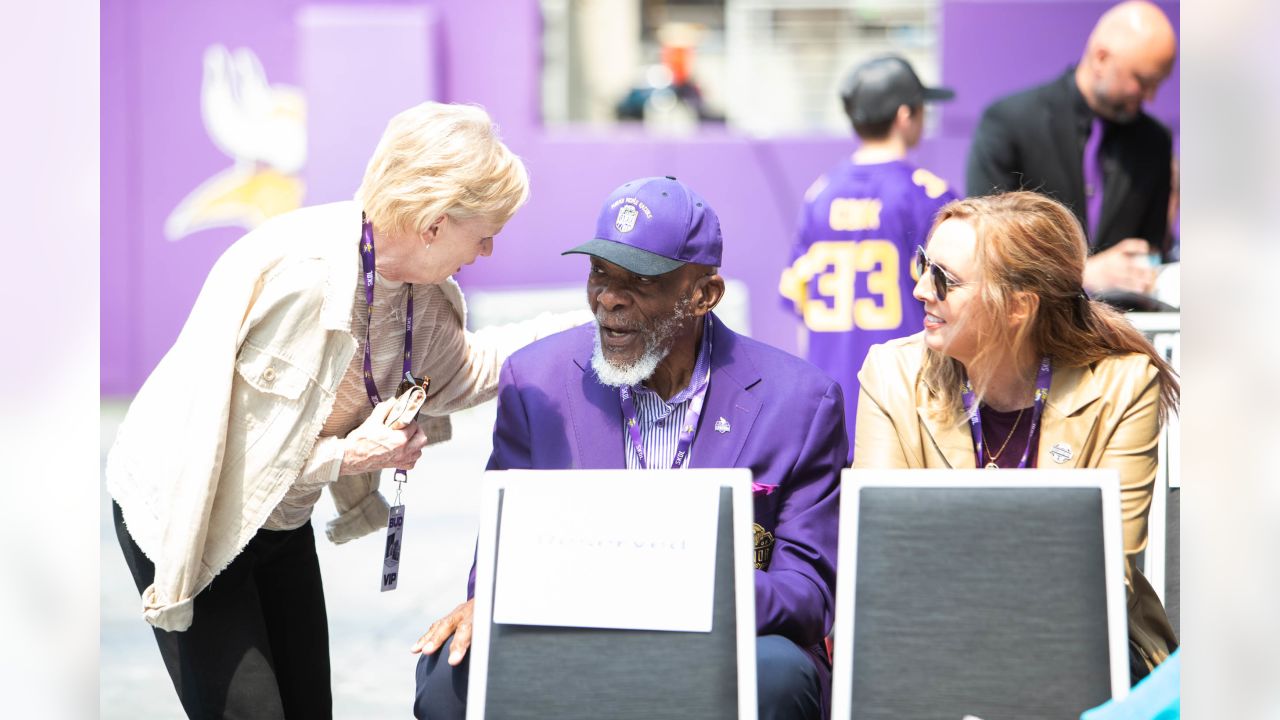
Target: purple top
column 850, row 276
column 996, row 426
column 973, row 411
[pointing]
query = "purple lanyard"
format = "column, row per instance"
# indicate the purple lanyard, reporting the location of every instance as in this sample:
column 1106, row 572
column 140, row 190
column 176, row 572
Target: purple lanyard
column 366, row 258
column 975, row 418
column 690, row 425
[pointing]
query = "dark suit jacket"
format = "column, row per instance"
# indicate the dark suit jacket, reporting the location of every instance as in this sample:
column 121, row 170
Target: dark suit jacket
column 786, row 423
column 1030, row 141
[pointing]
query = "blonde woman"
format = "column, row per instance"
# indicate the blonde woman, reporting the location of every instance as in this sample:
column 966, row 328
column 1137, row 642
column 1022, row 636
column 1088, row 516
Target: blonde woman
column 1053, row 379
column 280, row 385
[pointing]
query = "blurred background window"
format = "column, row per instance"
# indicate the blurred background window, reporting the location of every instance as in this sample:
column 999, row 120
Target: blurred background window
column 761, row 67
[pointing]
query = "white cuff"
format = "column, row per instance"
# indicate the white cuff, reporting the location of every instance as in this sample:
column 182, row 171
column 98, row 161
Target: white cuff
column 366, row 517
column 174, row 617
column 322, row 467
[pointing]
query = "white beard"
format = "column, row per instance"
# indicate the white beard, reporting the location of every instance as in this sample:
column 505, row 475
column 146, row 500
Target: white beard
column 657, row 345
column 619, row 376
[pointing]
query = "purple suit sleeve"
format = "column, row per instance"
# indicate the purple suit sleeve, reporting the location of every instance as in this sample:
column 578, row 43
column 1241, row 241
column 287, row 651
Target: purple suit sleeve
column 512, row 442
column 795, row 597
column 510, row 438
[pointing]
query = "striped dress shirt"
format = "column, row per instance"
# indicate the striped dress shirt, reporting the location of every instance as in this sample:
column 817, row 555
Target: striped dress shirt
column 661, row 421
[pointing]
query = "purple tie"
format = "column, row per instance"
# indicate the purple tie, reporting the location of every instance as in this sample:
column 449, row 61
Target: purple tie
column 1093, row 178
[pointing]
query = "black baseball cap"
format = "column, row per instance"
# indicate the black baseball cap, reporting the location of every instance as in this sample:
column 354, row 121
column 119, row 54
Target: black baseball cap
column 873, row 91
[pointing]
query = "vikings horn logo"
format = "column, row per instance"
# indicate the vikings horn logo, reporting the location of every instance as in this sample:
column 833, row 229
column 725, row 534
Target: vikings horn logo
column 626, row 218
column 262, row 128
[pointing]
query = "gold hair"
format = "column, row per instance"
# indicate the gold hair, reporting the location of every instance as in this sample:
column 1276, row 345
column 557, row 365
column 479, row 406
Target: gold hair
column 436, row 159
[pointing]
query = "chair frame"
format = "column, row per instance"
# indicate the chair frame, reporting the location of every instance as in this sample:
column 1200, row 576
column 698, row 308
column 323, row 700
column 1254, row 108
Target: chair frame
column 853, row 482
column 739, row 482
column 1164, row 331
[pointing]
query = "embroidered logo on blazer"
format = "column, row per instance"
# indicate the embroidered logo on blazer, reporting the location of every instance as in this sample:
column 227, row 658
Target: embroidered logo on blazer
column 764, row 546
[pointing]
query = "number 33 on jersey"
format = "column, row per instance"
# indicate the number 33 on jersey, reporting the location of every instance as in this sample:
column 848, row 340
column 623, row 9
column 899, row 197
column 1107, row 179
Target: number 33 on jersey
column 835, row 266
column 850, row 274
column 851, row 265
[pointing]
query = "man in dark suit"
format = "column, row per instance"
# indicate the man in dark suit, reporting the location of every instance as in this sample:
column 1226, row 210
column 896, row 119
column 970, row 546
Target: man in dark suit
column 658, row 381
column 1085, row 140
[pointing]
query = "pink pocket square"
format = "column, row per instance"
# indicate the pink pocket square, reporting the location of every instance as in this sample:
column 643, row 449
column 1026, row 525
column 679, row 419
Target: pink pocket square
column 762, row 488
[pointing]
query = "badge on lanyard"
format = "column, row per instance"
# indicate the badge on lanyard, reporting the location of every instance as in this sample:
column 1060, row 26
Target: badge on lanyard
column 412, row 393
column 391, row 557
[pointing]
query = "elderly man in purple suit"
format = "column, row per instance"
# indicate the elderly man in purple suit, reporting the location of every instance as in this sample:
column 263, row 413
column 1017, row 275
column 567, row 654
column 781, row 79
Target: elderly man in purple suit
column 658, row 381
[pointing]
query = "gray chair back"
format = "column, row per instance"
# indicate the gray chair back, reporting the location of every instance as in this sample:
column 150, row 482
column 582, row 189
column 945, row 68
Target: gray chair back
column 992, row 602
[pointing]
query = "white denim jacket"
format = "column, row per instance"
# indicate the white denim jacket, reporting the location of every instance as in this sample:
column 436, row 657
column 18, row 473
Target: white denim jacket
column 227, row 420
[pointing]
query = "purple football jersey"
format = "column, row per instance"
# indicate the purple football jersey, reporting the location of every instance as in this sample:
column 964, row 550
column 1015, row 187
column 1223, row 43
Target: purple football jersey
column 850, row 277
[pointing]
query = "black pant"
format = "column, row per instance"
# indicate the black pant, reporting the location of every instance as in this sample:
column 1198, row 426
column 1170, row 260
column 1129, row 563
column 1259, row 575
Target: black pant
column 787, row 684
column 258, row 647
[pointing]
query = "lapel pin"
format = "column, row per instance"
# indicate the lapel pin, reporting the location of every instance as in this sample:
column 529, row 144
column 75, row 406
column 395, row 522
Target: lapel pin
column 1060, row 452
column 722, row 426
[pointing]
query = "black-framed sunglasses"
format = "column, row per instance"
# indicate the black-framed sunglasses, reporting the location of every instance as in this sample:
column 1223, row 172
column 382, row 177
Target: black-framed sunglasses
column 942, row 280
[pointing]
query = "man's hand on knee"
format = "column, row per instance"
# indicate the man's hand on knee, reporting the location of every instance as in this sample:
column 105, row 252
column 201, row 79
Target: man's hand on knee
column 458, row 624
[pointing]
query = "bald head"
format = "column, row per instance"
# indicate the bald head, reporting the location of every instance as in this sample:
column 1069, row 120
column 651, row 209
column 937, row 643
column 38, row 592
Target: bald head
column 1129, row 54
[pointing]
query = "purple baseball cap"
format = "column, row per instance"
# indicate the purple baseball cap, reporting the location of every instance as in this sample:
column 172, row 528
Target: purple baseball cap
column 654, row 225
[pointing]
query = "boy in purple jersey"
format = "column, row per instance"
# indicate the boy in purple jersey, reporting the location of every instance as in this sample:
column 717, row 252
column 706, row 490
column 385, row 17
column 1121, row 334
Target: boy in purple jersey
column 850, row 277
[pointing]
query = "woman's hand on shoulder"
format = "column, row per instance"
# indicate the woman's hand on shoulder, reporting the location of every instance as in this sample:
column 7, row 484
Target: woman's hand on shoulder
column 374, row 446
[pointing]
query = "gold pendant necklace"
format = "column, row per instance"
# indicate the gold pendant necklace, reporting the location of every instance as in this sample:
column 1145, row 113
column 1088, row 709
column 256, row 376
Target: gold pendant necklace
column 991, row 464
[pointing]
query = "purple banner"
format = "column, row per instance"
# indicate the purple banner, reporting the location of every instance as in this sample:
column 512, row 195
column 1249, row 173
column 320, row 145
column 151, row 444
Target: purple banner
column 169, row 169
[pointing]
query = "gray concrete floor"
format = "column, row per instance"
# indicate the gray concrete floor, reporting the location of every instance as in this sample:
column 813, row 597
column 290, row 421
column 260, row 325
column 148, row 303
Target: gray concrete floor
column 370, row 632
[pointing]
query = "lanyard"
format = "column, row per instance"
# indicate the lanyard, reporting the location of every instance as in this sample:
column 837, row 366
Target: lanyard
column 395, row 519
column 689, row 427
column 366, row 259
column 975, row 418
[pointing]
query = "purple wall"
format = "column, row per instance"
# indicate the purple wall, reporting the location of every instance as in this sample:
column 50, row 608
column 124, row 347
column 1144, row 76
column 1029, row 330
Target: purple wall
column 340, row 48
column 155, row 148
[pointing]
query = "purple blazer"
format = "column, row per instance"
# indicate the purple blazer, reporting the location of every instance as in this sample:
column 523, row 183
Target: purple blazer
column 787, row 425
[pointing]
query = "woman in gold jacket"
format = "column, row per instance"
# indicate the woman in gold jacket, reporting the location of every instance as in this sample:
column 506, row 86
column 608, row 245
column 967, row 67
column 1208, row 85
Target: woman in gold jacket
column 1006, row 316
